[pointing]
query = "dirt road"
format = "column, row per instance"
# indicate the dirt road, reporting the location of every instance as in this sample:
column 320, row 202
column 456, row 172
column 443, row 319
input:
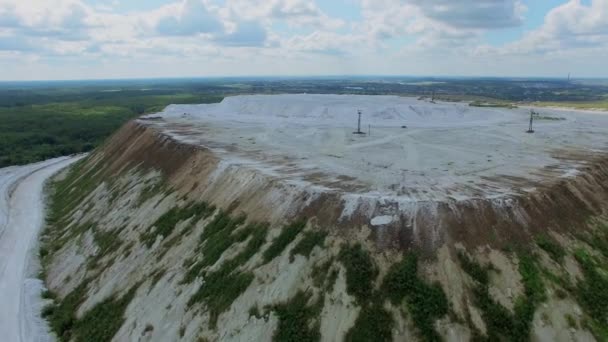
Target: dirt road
column 21, row 217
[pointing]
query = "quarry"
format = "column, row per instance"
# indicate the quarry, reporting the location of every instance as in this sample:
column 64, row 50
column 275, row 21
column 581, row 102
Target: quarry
column 282, row 218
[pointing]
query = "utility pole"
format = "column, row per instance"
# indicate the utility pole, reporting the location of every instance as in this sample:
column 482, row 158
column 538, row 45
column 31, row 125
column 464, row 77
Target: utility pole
column 359, row 124
column 530, row 130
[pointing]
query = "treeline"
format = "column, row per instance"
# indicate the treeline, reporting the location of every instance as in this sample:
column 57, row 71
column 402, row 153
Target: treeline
column 38, row 124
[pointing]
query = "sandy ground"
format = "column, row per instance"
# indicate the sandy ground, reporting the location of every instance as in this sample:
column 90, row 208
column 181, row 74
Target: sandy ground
column 417, row 150
column 21, row 217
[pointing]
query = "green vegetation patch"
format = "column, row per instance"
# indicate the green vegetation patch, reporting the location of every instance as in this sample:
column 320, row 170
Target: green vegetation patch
column 288, row 234
column 473, row 269
column 360, row 271
column 220, row 290
column 374, row 323
column 308, row 243
column 62, row 316
column 71, row 191
column 222, row 287
column 106, row 241
column 320, row 272
column 552, row 247
column 102, row 322
column 221, row 234
column 97, row 325
column 598, row 238
column 165, row 224
column 425, row 302
column 217, row 243
column 492, row 104
column 592, row 292
column 298, row 321
column 500, row 322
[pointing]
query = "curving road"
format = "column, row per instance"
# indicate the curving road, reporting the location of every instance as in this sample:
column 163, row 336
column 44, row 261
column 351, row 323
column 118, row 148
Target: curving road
column 21, row 217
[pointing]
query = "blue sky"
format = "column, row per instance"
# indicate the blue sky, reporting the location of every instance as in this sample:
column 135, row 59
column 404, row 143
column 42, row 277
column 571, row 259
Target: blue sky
column 84, row 39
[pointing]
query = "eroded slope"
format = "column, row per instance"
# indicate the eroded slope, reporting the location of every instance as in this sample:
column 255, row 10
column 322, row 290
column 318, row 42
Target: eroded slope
column 154, row 239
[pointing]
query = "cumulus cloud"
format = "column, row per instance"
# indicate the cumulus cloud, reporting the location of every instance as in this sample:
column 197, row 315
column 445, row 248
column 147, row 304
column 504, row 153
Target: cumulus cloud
column 477, row 14
column 567, row 28
column 247, row 33
column 232, row 31
column 193, row 18
column 293, row 12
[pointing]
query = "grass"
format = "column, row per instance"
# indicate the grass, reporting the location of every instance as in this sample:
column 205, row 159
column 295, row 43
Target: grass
column 320, row 272
column 310, row 240
column 165, row 224
column 102, row 322
column 220, row 290
column 219, row 242
column 599, row 238
column 225, row 285
column 374, row 323
column 360, row 271
column 62, row 316
column 221, row 234
column 492, row 104
column 501, row 324
column 592, row 292
column 549, row 245
column 473, row 269
column 287, row 235
column 106, row 242
column 602, row 105
column 425, row 302
column 298, row 321
column 401, row 285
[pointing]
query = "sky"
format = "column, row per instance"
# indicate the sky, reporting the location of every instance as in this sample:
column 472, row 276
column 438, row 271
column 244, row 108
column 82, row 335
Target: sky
column 96, row 39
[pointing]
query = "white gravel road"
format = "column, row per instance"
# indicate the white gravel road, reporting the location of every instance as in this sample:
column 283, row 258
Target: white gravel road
column 21, row 217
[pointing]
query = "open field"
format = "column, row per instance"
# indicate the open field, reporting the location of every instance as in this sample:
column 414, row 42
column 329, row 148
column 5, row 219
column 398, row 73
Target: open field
column 592, row 105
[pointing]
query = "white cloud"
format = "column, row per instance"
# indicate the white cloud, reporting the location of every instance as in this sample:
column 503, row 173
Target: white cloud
column 193, row 17
column 571, row 28
column 474, row 14
column 293, row 36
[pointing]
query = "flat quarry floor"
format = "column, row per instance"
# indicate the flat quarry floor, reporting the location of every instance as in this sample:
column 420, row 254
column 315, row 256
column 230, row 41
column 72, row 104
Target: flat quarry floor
column 417, row 150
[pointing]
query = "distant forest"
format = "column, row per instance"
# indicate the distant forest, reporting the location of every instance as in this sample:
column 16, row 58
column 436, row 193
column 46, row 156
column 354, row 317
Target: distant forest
column 41, row 120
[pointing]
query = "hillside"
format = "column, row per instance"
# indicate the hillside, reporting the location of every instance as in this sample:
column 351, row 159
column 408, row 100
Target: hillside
column 181, row 228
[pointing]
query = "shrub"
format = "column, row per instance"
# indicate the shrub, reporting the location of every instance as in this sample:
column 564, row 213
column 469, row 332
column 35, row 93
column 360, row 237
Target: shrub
column 165, row 224
column 298, row 321
column 500, row 323
column 425, row 302
column 554, row 249
column 374, row 323
column 308, row 243
column 473, row 269
column 101, row 323
column 288, row 234
column 226, row 284
column 360, row 271
column 592, row 292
